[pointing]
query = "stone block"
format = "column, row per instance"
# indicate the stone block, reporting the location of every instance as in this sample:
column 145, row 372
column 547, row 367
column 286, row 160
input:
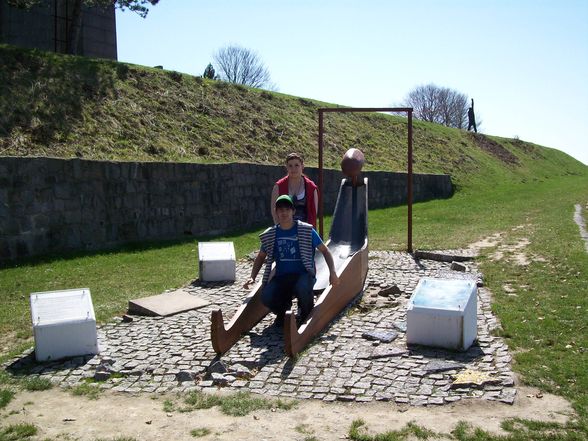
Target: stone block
column 62, row 191
column 216, row 261
column 40, row 221
column 5, row 252
column 22, row 247
column 443, row 313
column 383, row 336
column 64, row 324
column 458, row 266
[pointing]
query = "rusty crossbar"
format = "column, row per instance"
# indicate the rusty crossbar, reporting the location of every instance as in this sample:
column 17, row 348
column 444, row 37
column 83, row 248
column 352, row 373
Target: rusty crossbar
column 408, row 110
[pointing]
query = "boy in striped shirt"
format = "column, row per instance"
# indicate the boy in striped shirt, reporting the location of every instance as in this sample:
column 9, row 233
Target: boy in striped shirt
column 291, row 245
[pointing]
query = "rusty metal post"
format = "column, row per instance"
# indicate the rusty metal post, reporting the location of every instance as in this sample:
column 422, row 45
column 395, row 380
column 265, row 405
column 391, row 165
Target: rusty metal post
column 320, row 164
column 409, row 183
column 409, row 197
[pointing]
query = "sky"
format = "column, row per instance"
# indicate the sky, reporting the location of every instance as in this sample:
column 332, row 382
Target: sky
column 524, row 62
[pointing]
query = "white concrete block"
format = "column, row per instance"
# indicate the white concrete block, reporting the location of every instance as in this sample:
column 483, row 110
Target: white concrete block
column 443, row 313
column 216, row 261
column 64, row 324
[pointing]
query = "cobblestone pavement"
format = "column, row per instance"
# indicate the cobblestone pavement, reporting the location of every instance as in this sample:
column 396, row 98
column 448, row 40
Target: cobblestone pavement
column 169, row 354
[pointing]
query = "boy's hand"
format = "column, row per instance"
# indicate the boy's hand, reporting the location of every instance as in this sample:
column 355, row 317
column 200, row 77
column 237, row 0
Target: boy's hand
column 334, row 280
column 248, row 283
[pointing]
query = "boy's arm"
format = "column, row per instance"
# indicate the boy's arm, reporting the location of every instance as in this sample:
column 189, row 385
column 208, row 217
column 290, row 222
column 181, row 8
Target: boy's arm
column 257, row 263
column 333, row 279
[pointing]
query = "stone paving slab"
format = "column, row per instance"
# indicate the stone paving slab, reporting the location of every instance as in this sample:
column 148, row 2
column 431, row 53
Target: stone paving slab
column 172, row 354
column 166, row 304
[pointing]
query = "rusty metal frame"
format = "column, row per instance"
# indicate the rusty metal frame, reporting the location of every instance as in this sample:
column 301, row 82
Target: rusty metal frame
column 408, row 111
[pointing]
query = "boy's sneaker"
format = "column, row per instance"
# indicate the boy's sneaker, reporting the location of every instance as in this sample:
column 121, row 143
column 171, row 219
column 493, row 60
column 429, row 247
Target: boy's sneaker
column 300, row 320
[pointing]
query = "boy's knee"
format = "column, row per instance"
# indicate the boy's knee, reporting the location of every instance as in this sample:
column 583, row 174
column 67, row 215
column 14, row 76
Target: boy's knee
column 304, row 287
column 266, row 297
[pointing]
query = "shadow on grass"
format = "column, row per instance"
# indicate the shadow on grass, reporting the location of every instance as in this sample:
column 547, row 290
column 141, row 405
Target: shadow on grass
column 130, row 247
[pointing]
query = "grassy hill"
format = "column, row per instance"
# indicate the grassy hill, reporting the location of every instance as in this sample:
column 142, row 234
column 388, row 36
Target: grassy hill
column 64, row 106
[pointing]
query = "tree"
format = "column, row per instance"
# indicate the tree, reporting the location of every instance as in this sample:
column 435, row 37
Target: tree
column 440, row 105
column 73, row 33
column 209, row 72
column 241, row 66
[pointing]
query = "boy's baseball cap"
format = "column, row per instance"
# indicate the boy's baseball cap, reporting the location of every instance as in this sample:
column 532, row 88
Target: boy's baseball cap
column 284, row 200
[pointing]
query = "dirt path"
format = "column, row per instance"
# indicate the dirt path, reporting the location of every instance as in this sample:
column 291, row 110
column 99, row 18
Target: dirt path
column 59, row 415
column 579, row 219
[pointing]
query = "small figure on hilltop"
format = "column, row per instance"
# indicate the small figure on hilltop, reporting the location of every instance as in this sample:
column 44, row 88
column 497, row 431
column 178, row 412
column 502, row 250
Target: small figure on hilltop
column 209, row 72
column 291, row 244
column 472, row 118
column 301, row 189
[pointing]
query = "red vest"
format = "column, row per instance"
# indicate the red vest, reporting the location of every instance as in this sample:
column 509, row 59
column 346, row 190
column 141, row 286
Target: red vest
column 309, row 188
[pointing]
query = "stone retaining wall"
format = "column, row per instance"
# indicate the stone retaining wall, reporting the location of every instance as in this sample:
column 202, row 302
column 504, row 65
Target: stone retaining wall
column 50, row 205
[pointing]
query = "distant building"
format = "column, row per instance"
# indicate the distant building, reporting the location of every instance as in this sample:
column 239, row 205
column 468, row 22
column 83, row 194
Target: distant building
column 47, row 26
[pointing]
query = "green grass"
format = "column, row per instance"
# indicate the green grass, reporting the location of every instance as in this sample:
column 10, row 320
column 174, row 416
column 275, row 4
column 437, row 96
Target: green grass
column 307, row 431
column 200, row 432
column 200, row 400
column 522, row 430
column 243, row 403
column 516, row 430
column 17, row 432
column 168, row 406
column 118, row 438
column 238, row 404
column 358, row 432
column 6, row 378
column 470, row 215
column 90, row 391
column 36, row 383
column 6, row 396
